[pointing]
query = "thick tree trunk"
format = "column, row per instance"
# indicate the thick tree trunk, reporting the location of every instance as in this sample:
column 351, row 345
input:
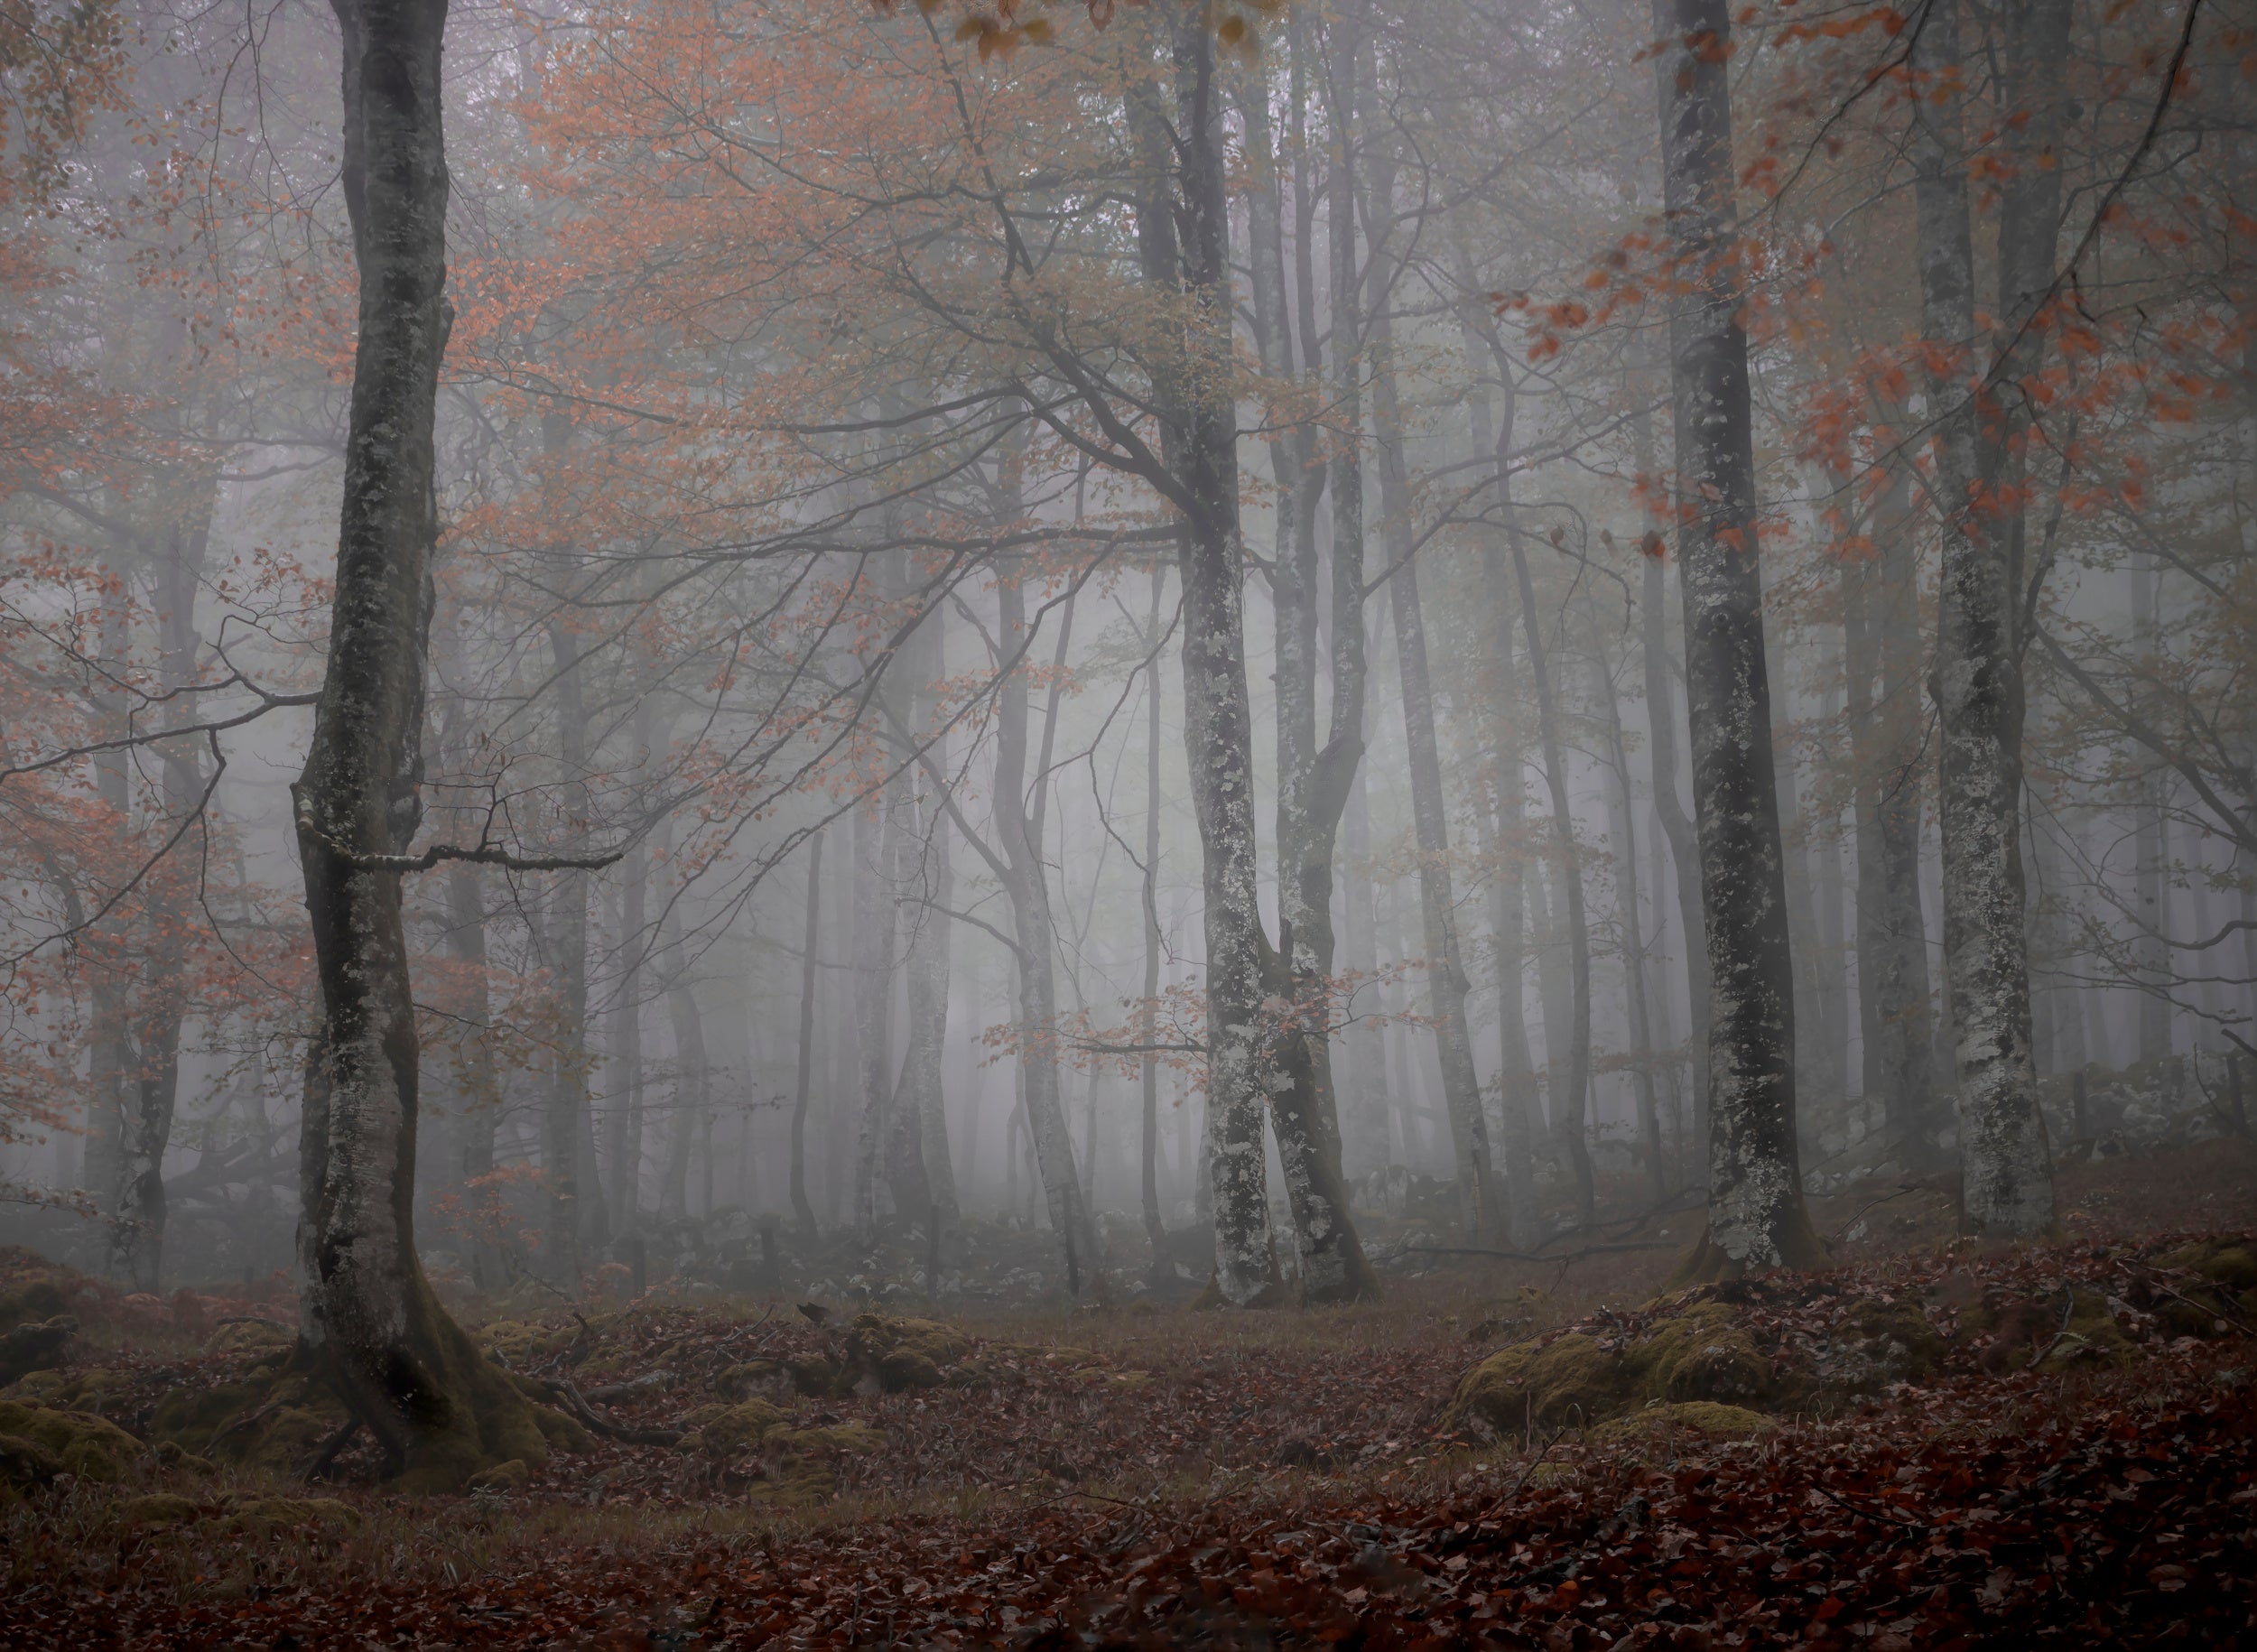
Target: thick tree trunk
column 1883, row 653
column 366, row 1313
column 1312, row 784
column 803, row 1211
column 1756, row 1215
column 2006, row 1171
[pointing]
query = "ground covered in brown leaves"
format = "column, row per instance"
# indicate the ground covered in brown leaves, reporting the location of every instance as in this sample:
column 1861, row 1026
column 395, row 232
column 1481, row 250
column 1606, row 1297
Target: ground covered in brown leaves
column 1929, row 1446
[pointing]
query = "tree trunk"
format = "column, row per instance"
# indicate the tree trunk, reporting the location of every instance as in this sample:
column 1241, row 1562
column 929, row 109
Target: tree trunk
column 1569, row 1101
column 1312, row 784
column 137, row 1238
column 1685, row 853
column 1148, row 1017
column 1756, row 1215
column 804, row 1212
column 2006, row 1170
column 692, row 1075
column 1631, row 924
column 925, row 1181
column 366, row 1313
column 2151, row 945
column 623, row 1131
column 876, row 925
column 1883, row 649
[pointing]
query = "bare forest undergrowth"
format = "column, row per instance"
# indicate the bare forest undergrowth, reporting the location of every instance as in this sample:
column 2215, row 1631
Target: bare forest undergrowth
column 1933, row 1444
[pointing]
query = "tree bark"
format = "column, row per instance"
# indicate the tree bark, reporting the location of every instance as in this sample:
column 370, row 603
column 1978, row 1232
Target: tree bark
column 803, row 1211
column 1571, row 1100
column 876, row 925
column 2007, row 1175
column 1312, row 784
column 1677, row 828
column 1631, row 924
column 1756, row 1215
column 1882, row 651
column 367, row 1313
column 1147, row 1018
column 137, row 1236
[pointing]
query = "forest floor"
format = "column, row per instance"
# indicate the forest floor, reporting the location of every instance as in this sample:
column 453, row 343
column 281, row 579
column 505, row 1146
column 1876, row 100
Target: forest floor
column 2058, row 1445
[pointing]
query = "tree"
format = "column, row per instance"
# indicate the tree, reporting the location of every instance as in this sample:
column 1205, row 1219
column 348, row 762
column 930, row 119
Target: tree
column 1756, row 1215
column 368, row 1317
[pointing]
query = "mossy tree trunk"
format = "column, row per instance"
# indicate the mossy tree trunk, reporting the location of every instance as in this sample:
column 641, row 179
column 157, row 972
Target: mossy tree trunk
column 1757, row 1218
column 368, row 1318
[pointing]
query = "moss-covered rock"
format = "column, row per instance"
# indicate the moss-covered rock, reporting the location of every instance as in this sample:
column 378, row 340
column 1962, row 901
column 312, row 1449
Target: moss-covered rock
column 1877, row 1342
column 26, row 1463
column 35, row 1345
column 899, row 1354
column 32, row 1302
column 159, row 1511
column 251, row 1336
column 509, row 1476
column 739, row 1429
column 1707, row 1418
column 1699, row 1354
column 272, row 1514
column 87, row 1445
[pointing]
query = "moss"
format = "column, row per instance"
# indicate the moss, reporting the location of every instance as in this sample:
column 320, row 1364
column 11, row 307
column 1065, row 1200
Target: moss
column 35, row 1345
column 1707, row 1418
column 562, row 1433
column 509, row 1476
column 270, row 1514
column 1571, row 1380
column 39, row 1389
column 741, row 1427
column 33, row 1302
column 901, row 1353
column 26, row 1463
column 1876, row 1343
column 2229, row 1262
column 246, row 1336
column 87, row 1445
column 1699, row 1354
column 159, row 1511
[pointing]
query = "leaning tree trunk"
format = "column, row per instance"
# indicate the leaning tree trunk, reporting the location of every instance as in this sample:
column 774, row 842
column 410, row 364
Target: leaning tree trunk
column 368, row 1316
column 1756, row 1215
column 2006, row 1170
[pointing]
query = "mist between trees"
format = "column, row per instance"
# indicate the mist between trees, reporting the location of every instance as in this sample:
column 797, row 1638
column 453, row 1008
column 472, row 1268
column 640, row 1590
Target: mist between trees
column 1180, row 631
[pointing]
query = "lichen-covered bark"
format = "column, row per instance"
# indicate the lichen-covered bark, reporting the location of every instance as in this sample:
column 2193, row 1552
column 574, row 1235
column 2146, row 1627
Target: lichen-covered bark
column 1312, row 783
column 2007, row 1176
column 1756, row 1215
column 1218, row 714
column 367, row 1314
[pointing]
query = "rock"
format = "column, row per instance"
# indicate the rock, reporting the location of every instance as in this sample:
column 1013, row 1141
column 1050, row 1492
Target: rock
column 247, row 1336
column 26, row 1463
column 1875, row 1343
column 159, row 1511
column 171, row 1458
column 87, row 1445
column 1700, row 1354
column 770, row 1379
column 1705, row 1418
column 35, row 1345
column 899, row 1354
column 741, row 1427
column 509, row 1476
column 270, row 1514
